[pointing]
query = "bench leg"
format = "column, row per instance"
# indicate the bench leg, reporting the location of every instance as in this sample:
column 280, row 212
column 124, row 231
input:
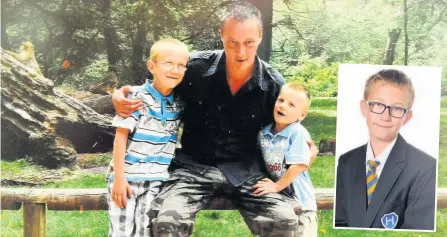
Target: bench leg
column 34, row 219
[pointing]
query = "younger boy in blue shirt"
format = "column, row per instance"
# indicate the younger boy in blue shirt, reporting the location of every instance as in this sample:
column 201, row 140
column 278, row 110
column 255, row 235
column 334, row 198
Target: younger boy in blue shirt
column 287, row 155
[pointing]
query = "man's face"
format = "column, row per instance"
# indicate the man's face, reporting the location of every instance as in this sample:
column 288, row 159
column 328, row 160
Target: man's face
column 290, row 106
column 169, row 67
column 384, row 127
column 241, row 40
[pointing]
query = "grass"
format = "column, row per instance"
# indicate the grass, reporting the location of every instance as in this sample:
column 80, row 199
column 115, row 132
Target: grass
column 94, row 160
column 320, row 123
column 18, row 168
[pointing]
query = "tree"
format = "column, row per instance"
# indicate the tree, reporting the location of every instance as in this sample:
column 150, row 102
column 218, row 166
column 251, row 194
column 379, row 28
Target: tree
column 393, row 37
column 266, row 9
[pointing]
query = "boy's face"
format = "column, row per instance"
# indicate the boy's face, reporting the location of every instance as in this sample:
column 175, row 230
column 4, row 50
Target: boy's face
column 384, row 127
column 169, row 67
column 241, row 40
column 291, row 106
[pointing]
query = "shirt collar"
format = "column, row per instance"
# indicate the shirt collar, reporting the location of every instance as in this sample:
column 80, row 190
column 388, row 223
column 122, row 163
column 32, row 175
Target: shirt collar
column 284, row 133
column 257, row 78
column 156, row 94
column 382, row 158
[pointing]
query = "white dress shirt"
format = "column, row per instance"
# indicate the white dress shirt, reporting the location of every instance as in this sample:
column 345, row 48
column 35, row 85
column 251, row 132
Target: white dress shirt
column 382, row 157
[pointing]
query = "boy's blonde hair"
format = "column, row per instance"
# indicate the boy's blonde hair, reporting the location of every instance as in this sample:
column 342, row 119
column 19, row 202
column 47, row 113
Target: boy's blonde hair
column 296, row 86
column 158, row 46
column 390, row 76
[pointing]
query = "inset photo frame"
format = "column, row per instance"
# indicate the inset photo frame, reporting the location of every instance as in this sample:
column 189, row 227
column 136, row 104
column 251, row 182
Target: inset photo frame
column 387, row 146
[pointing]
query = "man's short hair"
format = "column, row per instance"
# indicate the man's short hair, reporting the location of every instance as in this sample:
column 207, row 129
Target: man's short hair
column 296, row 86
column 158, row 46
column 240, row 11
column 390, row 76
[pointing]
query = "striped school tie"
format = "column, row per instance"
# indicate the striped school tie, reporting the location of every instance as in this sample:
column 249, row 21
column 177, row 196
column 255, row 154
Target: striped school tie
column 371, row 178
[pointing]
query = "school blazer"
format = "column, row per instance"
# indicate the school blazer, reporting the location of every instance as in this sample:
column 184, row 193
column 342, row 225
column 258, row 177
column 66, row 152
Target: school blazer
column 406, row 187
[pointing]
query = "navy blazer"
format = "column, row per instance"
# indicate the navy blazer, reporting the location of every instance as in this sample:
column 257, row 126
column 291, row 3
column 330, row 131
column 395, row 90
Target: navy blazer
column 407, row 187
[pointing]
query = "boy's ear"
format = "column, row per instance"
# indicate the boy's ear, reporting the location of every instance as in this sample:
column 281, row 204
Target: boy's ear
column 363, row 108
column 408, row 117
column 151, row 66
column 304, row 114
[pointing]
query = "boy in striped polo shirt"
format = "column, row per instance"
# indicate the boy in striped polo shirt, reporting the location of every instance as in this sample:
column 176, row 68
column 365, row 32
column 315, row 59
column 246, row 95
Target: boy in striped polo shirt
column 145, row 142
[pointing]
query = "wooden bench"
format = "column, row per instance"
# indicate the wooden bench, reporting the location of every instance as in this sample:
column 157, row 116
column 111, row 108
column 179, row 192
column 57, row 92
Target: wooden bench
column 35, row 202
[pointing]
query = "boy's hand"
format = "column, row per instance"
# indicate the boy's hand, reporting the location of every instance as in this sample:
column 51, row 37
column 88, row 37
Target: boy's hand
column 265, row 186
column 123, row 106
column 120, row 191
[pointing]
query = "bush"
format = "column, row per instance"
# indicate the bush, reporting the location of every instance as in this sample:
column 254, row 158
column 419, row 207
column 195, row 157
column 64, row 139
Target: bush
column 319, row 77
column 444, row 87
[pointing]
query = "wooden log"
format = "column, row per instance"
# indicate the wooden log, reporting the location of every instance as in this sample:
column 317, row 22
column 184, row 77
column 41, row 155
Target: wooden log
column 44, row 124
column 34, row 219
column 96, row 199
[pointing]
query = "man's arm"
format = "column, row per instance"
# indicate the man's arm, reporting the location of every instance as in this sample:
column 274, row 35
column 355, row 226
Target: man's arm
column 125, row 107
column 266, row 185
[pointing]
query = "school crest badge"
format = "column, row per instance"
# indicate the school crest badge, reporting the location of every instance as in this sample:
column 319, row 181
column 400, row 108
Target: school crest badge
column 389, row 221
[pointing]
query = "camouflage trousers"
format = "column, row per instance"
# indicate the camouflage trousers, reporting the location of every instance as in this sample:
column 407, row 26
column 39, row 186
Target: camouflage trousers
column 174, row 210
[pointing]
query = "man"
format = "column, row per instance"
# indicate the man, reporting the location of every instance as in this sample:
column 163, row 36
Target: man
column 229, row 96
column 386, row 183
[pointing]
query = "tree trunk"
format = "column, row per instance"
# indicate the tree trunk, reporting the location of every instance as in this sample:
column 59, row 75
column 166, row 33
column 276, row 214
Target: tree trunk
column 393, row 36
column 137, row 66
column 266, row 9
column 5, row 39
column 110, row 37
column 43, row 124
column 101, row 104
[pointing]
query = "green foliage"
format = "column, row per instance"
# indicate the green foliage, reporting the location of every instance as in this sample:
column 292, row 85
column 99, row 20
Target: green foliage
column 83, row 181
column 94, row 160
column 18, row 168
column 319, row 77
column 444, row 87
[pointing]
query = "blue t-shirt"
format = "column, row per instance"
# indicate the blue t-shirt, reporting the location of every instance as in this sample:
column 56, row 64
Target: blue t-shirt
column 286, row 148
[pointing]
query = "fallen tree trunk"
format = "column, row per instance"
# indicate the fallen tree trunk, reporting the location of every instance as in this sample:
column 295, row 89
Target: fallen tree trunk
column 43, row 124
column 101, row 104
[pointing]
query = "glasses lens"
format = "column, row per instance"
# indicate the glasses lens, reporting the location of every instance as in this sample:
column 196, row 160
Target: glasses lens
column 397, row 112
column 376, row 107
column 170, row 66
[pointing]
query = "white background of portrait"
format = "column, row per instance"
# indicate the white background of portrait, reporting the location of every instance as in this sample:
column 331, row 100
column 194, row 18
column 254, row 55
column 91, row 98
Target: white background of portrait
column 422, row 131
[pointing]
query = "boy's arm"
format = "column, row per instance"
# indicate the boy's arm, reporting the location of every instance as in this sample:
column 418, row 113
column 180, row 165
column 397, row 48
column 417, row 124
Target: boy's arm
column 298, row 156
column 266, row 185
column 121, row 188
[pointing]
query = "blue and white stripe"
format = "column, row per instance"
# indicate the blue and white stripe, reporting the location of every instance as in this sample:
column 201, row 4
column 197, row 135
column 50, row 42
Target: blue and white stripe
column 153, row 135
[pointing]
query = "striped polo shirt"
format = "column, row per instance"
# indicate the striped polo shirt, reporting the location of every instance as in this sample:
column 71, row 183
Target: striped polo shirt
column 152, row 134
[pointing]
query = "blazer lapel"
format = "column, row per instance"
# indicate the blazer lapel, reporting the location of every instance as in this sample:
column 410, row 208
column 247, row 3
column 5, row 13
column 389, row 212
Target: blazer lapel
column 390, row 173
column 359, row 189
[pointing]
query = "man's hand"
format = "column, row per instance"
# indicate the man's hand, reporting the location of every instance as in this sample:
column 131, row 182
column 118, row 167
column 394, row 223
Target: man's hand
column 120, row 191
column 265, row 186
column 313, row 152
column 123, row 106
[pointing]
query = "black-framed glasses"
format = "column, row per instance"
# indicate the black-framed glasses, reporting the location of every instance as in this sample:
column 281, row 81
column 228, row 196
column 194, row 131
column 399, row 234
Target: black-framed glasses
column 170, row 66
column 379, row 108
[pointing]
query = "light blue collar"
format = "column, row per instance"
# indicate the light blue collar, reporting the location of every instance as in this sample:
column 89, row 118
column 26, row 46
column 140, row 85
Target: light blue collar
column 284, row 133
column 156, row 94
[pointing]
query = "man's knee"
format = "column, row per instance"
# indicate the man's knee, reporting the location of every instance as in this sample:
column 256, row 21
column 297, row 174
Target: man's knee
column 171, row 223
